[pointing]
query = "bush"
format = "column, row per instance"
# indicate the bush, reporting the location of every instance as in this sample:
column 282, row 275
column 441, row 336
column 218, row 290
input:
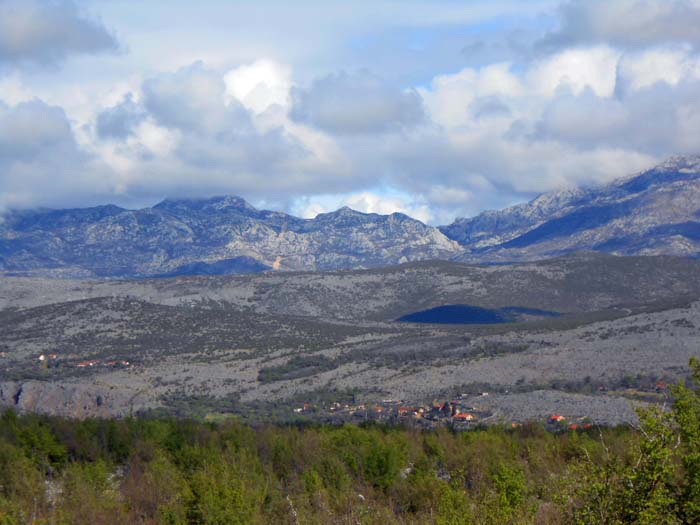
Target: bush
column 172, row 471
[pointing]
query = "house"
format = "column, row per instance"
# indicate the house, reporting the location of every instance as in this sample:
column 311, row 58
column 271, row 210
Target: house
column 85, row 364
column 464, row 417
column 573, row 426
column 556, row 418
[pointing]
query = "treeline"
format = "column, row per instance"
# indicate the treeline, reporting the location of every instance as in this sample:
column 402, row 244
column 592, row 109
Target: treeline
column 58, row 471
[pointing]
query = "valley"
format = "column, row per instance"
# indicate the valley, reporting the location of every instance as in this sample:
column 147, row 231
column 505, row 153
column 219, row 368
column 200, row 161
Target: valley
column 592, row 332
column 577, row 302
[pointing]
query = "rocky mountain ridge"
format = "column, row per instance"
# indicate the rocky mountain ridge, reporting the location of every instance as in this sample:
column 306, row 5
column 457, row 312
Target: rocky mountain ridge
column 651, row 213
column 203, row 236
column 656, row 212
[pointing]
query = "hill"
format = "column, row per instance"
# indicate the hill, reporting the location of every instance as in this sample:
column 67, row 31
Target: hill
column 263, row 345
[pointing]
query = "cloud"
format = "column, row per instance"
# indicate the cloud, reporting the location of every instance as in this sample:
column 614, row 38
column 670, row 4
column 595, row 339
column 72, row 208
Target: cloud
column 40, row 161
column 119, row 121
column 487, row 137
column 449, row 98
column 193, row 99
column 587, row 121
column 381, row 202
column 638, row 70
column 450, row 128
column 260, row 85
column 31, row 129
column 194, row 138
column 575, row 70
column 368, row 202
column 356, row 103
column 628, row 24
column 12, row 90
column 48, row 31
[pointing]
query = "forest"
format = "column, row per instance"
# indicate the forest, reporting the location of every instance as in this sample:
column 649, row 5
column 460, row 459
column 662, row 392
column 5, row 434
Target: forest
column 178, row 471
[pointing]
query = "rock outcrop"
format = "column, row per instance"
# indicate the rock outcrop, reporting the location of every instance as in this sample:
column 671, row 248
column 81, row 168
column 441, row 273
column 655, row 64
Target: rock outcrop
column 70, row 400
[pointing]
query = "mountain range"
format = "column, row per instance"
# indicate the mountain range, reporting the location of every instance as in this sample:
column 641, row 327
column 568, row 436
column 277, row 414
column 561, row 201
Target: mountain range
column 656, row 212
column 651, row 213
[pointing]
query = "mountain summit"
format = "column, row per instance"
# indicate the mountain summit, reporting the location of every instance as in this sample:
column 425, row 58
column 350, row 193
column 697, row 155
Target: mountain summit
column 651, row 213
column 208, row 236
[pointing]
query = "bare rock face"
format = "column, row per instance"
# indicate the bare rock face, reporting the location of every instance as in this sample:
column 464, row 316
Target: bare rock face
column 652, row 213
column 8, row 391
column 68, row 400
column 656, row 212
column 221, row 235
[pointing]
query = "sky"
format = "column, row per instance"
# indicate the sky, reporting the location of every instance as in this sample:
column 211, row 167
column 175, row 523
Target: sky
column 438, row 109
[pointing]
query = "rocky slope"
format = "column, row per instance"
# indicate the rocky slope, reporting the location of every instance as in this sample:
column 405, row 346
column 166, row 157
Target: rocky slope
column 222, row 344
column 571, row 284
column 654, row 212
column 209, row 236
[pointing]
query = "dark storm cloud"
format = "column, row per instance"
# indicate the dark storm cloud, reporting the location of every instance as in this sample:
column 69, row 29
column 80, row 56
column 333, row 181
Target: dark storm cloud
column 47, row 31
column 356, row 103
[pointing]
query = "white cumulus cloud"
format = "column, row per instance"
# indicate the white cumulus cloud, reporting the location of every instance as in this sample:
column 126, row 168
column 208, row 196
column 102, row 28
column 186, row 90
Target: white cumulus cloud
column 260, row 85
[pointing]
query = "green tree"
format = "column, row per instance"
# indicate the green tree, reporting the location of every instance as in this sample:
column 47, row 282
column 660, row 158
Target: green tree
column 454, row 507
column 638, row 489
column 382, row 464
column 511, row 488
column 687, row 413
column 22, row 489
column 227, row 490
column 156, row 491
column 90, row 494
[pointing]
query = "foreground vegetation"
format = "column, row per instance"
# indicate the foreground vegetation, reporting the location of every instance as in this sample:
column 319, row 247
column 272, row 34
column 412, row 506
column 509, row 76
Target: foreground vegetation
column 58, row 471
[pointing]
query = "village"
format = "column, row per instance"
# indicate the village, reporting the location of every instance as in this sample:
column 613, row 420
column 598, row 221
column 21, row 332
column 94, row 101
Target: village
column 53, row 361
column 455, row 414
